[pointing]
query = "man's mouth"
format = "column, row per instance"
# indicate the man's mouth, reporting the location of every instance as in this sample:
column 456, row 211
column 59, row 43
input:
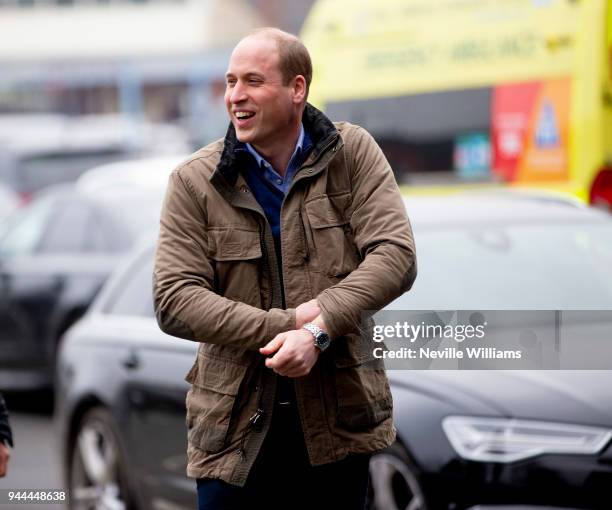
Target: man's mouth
column 242, row 115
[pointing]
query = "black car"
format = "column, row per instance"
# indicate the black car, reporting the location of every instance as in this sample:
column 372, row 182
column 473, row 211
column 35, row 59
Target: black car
column 55, row 254
column 464, row 438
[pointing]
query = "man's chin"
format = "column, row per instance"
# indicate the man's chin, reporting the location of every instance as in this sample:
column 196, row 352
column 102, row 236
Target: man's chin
column 243, row 135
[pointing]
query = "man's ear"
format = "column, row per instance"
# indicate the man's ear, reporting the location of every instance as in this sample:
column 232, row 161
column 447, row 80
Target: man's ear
column 299, row 89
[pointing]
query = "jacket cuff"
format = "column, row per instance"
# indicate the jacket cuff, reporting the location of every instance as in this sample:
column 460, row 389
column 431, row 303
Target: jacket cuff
column 279, row 321
column 330, row 314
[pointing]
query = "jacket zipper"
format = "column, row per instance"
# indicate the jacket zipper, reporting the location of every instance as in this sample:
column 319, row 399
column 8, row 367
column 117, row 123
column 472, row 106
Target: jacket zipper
column 256, row 420
column 262, row 242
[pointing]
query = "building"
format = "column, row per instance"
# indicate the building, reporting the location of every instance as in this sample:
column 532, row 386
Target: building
column 161, row 59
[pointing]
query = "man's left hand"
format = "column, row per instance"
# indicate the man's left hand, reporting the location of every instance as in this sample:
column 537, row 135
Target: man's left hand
column 295, row 351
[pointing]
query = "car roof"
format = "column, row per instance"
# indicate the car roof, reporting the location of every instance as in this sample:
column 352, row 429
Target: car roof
column 497, row 207
column 143, row 173
column 109, row 198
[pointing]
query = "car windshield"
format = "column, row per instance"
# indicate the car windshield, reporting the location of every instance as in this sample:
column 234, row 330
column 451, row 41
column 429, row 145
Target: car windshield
column 521, row 267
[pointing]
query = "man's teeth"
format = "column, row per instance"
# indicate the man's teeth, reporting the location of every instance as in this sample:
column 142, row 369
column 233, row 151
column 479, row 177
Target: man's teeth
column 244, row 115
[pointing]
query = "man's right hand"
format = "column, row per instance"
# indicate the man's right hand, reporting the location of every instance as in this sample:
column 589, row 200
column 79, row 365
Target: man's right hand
column 306, row 312
column 4, row 457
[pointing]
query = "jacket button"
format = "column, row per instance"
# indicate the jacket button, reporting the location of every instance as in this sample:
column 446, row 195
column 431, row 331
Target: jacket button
column 334, row 149
column 244, row 189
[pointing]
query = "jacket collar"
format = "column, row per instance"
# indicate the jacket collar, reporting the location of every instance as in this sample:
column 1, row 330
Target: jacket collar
column 320, row 129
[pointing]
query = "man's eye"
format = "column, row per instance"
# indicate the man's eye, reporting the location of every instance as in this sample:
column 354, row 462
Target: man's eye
column 231, row 83
column 254, row 81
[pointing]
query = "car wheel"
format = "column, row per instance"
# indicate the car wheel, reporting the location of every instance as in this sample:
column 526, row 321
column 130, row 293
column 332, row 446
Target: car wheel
column 394, row 482
column 98, row 474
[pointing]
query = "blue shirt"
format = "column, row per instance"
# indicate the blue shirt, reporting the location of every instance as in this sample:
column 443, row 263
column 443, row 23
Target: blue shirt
column 271, row 175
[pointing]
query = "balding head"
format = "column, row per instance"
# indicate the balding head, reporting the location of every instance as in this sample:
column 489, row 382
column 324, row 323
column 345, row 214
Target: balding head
column 266, row 92
column 294, row 58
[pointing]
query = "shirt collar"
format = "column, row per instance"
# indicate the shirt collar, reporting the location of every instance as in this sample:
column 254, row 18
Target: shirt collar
column 298, row 147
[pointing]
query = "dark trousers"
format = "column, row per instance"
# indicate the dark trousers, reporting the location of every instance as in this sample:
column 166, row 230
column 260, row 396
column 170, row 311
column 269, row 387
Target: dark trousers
column 282, row 477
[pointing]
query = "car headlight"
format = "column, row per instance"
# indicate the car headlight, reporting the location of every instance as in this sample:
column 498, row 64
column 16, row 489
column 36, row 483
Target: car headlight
column 509, row 440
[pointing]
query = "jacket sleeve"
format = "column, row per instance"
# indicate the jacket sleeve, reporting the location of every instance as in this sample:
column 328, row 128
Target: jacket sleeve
column 383, row 236
column 186, row 305
column 5, row 429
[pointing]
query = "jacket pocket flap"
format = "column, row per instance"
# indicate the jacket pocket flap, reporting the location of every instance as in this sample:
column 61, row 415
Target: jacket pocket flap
column 322, row 213
column 233, row 244
column 219, row 375
column 358, row 417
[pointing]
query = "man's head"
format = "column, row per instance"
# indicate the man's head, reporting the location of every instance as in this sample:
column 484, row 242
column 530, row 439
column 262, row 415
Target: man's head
column 267, row 79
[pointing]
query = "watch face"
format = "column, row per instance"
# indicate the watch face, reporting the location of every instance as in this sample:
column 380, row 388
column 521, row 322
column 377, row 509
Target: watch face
column 322, row 340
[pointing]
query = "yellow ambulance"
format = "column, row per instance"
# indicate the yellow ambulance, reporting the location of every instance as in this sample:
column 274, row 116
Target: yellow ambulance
column 510, row 91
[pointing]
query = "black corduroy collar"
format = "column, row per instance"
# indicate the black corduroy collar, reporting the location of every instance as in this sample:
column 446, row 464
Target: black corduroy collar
column 319, row 127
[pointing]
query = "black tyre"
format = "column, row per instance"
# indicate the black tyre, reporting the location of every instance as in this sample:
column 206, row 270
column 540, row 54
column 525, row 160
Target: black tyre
column 394, row 481
column 98, row 473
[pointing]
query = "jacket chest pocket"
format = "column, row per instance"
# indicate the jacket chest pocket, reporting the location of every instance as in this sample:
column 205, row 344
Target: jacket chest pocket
column 211, row 401
column 236, row 256
column 329, row 237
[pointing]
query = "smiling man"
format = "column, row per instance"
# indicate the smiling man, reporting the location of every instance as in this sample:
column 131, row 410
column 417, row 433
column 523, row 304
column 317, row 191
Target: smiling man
column 273, row 242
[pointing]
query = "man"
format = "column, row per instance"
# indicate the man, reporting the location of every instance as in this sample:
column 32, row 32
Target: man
column 273, row 242
column 6, row 438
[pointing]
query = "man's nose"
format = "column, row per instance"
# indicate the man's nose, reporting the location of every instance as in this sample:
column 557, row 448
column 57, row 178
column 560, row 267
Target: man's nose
column 238, row 93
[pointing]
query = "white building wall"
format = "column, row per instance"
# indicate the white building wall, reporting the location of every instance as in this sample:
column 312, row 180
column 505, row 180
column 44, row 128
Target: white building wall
column 90, row 31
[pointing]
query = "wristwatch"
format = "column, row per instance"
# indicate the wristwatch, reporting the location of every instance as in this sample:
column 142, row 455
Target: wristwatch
column 321, row 338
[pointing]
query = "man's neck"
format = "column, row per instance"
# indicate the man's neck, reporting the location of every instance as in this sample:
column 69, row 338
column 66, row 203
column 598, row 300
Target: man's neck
column 279, row 153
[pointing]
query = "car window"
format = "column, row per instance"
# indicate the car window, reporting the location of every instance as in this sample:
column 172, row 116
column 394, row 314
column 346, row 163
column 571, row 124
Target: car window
column 138, row 212
column 101, row 237
column 135, row 296
column 8, row 201
column 39, row 171
column 521, row 267
column 70, row 229
column 24, row 232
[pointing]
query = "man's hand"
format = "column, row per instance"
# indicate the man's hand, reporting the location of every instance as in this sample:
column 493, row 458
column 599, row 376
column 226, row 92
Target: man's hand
column 295, row 351
column 4, row 458
column 306, row 312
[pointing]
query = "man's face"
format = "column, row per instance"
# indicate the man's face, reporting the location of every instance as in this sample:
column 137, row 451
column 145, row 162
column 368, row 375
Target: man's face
column 259, row 105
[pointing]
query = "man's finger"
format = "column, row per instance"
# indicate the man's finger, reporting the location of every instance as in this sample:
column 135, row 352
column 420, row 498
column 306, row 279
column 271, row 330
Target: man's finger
column 279, row 361
column 283, row 364
column 273, row 345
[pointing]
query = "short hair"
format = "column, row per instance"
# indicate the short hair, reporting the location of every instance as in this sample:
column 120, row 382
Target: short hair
column 294, row 58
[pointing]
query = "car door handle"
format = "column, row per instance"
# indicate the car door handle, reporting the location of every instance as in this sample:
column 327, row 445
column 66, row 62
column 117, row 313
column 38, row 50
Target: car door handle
column 132, row 361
